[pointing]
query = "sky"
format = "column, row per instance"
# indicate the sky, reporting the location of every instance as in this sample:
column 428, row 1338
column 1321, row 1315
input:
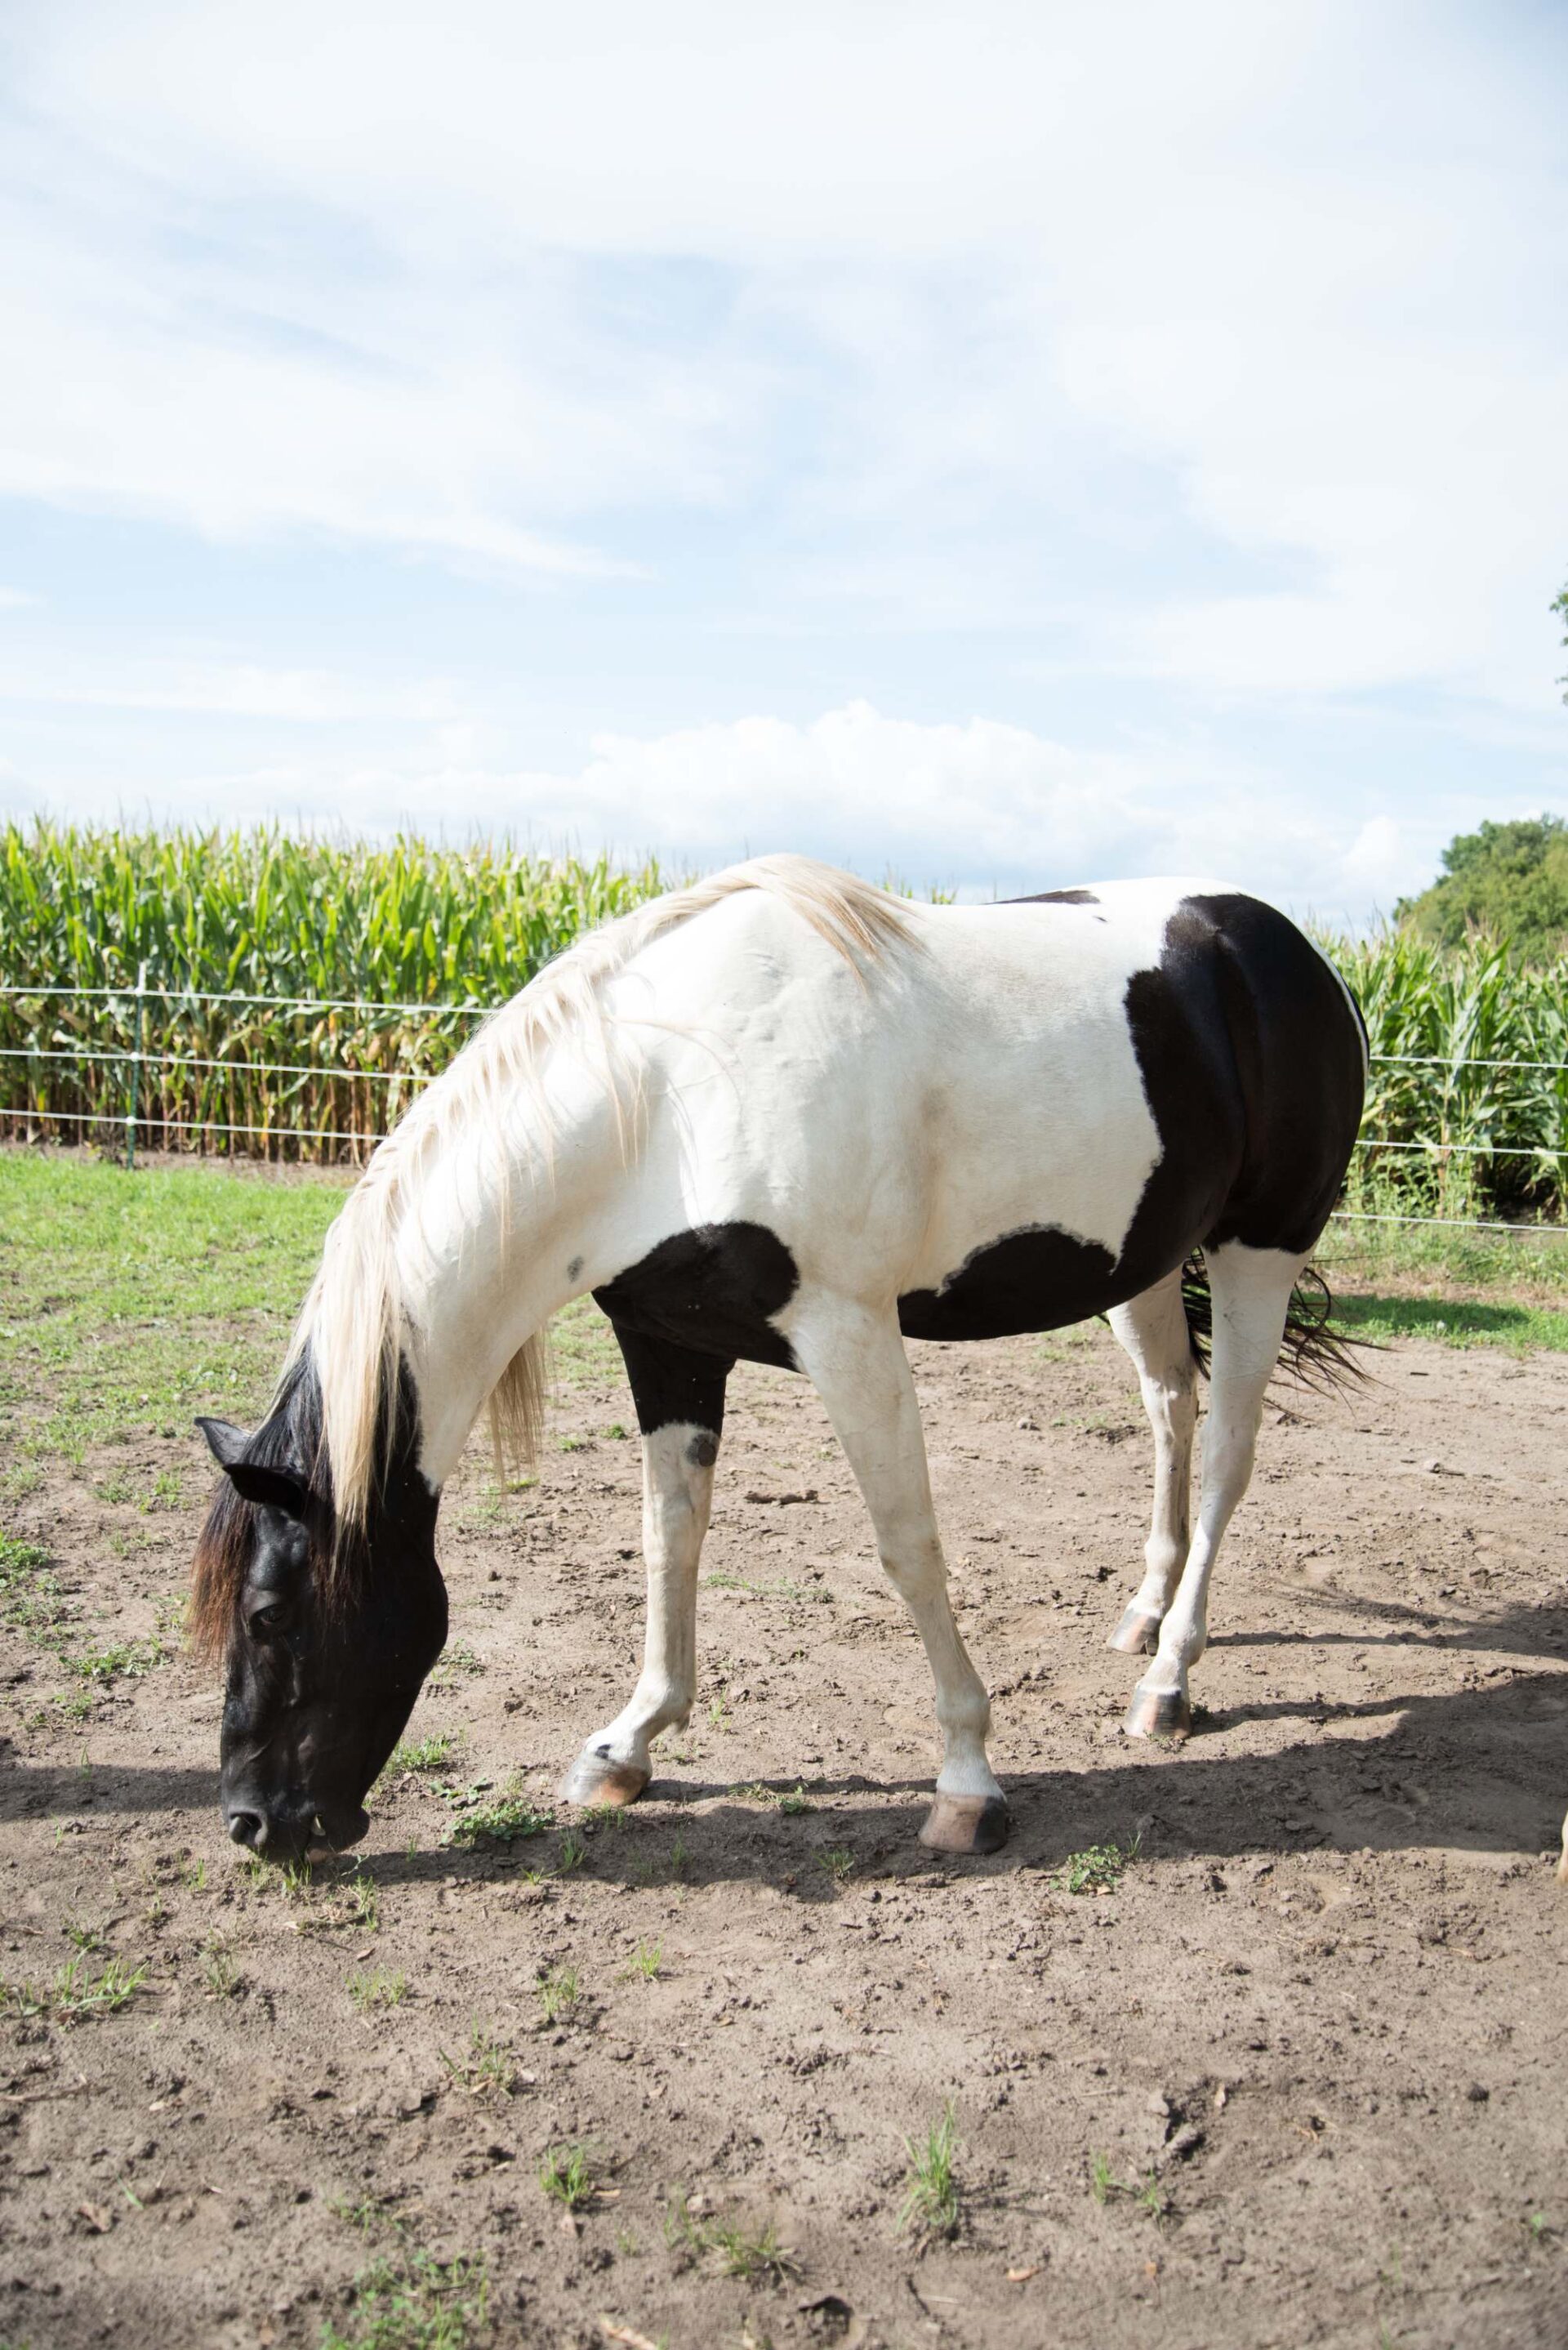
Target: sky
column 993, row 446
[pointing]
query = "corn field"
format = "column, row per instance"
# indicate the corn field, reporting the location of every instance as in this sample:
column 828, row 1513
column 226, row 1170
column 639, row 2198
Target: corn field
column 436, row 935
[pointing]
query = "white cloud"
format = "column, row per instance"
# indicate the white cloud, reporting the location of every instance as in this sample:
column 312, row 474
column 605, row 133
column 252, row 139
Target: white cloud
column 1004, row 279
column 978, row 806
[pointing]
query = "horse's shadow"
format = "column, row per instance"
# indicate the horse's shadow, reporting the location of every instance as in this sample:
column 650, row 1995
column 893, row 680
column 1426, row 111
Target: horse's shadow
column 1481, row 1769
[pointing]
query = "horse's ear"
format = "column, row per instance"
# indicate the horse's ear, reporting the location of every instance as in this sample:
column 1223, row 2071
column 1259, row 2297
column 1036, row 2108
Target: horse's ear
column 225, row 1442
column 275, row 1488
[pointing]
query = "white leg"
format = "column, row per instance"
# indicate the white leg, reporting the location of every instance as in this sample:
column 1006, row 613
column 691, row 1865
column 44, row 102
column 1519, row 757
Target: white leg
column 856, row 1360
column 1153, row 1330
column 614, row 1766
column 1251, row 1290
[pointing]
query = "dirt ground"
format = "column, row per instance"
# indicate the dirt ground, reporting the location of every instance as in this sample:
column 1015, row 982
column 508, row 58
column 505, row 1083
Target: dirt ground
column 1298, row 2078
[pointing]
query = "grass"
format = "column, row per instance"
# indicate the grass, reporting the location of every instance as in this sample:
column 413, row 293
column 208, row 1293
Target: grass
column 375, row 1988
column 930, row 2205
column 75, row 1996
column 432, row 1753
column 415, row 2303
column 567, row 2175
column 1098, row 1869
column 836, row 1863
column 1146, row 2195
column 219, row 1970
column 645, row 1962
column 504, row 1820
column 750, row 2252
column 557, row 1992
column 486, row 2068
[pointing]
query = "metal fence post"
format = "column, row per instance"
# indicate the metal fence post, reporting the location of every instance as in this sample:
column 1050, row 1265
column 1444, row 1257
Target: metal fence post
column 136, row 1060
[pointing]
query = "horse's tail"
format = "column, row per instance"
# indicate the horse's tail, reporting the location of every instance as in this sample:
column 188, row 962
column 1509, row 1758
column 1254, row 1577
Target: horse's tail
column 1313, row 1353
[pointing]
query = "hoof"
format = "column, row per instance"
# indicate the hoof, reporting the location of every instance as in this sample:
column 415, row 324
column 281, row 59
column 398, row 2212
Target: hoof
column 1136, row 1635
column 595, row 1779
column 1163, row 1714
column 965, row 1823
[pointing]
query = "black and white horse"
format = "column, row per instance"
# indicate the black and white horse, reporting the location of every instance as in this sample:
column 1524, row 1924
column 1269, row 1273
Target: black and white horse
column 786, row 1119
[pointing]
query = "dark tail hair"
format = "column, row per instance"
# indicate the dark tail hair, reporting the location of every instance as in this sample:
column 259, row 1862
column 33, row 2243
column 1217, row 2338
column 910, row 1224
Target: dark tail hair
column 1313, row 1352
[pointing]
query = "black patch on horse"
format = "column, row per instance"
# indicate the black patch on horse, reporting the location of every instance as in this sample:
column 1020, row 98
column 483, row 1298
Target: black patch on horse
column 690, row 1309
column 1252, row 1067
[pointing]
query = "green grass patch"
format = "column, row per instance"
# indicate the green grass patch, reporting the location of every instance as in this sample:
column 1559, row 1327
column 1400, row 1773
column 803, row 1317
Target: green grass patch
column 414, row 2302
column 509, row 1817
column 76, row 1994
column 1098, row 1869
column 1519, row 1330
column 930, row 2205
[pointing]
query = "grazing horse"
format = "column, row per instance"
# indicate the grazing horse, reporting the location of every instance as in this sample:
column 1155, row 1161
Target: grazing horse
column 784, row 1117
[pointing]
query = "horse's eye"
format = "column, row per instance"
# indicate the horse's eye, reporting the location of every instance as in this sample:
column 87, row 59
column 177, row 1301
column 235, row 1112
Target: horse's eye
column 268, row 1619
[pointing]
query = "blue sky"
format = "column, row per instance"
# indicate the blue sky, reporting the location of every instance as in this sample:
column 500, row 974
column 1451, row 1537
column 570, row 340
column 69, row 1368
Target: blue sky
column 1004, row 445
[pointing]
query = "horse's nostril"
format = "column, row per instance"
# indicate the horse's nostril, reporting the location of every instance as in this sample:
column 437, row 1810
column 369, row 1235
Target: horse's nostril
column 248, row 1827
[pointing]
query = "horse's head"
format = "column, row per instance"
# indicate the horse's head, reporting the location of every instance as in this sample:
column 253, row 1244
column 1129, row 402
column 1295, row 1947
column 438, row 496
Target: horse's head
column 327, row 1642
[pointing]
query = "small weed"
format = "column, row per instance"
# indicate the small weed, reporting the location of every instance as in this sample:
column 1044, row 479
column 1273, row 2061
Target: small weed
column 1097, row 1870
column 193, row 1873
column 458, row 1663
column 510, row 1816
column 298, row 1878
column 557, row 1992
column 679, row 1855
column 644, row 1963
column 1151, row 2199
column 365, row 1903
column 1102, row 2177
column 415, row 2304
column 487, row 2067
column 930, row 2205
column 791, row 1802
column 168, row 1492
column 836, row 1862
column 431, row 1754
column 375, row 1988
column 750, row 2252
column 719, row 1714
column 86, row 1938
column 74, row 1996
column 570, row 1854
column 572, row 1443
column 219, row 1971
column 567, row 2175
column 614, row 1432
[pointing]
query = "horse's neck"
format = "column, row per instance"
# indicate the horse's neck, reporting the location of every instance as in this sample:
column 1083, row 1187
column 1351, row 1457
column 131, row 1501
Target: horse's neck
column 495, row 1244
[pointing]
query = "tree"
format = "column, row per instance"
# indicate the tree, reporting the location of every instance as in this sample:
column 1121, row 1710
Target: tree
column 1509, row 879
column 1560, row 605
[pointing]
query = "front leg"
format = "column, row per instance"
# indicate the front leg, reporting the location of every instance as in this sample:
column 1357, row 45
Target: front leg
column 679, row 1399
column 857, row 1362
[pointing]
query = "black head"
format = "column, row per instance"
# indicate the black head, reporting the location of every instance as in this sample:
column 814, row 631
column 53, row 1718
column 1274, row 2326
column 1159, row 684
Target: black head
column 326, row 1643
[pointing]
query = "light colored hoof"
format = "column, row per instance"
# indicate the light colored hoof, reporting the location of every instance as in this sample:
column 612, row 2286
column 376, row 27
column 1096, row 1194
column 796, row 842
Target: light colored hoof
column 965, row 1823
column 595, row 1779
column 1136, row 1635
column 1162, row 1714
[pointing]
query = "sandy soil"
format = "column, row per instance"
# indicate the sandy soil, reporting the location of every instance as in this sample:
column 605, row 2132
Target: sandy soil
column 1318, row 2033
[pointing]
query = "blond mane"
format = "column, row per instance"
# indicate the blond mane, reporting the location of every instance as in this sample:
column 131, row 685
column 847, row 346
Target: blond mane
column 352, row 1320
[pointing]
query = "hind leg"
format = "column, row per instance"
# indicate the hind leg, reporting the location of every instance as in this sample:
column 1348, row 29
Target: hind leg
column 1251, row 1291
column 1153, row 1330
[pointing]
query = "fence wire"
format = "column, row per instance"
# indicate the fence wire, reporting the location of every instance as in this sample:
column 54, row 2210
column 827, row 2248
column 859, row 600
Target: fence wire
column 137, row 1123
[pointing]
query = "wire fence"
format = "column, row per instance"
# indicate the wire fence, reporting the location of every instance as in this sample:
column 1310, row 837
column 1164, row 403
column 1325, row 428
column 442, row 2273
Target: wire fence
column 69, row 1053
